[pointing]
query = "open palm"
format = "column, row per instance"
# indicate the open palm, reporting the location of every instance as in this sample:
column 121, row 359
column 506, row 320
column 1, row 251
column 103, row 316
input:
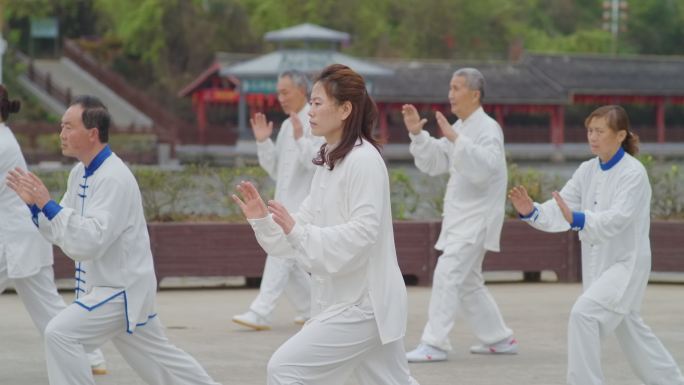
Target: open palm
column 521, row 200
column 250, row 202
column 414, row 124
column 261, row 127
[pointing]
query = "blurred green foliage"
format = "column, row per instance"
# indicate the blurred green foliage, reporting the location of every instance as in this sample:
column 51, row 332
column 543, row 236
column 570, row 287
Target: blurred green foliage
column 203, row 193
column 154, row 43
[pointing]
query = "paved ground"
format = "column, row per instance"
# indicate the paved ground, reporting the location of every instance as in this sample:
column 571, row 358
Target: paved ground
column 198, row 321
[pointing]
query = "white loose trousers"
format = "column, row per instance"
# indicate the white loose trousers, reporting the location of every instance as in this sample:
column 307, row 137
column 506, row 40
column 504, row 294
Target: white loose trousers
column 76, row 330
column 41, row 300
column 327, row 351
column 458, row 287
column 283, row 276
column 590, row 323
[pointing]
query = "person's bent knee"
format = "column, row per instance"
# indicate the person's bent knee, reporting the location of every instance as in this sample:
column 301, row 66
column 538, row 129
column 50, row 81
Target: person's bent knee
column 279, row 373
column 53, row 333
column 581, row 314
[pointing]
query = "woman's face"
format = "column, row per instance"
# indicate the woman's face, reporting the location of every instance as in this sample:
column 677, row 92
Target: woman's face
column 326, row 116
column 603, row 140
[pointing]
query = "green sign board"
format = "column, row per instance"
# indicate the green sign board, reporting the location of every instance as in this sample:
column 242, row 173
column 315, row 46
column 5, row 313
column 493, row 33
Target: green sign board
column 44, row 28
column 259, row 86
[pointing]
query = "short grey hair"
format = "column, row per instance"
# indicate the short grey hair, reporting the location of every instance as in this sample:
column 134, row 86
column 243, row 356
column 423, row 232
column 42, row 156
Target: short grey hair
column 473, row 78
column 299, row 79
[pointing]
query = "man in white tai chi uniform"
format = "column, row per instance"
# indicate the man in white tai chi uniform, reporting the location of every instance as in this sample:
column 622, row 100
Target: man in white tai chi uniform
column 25, row 257
column 289, row 161
column 472, row 153
column 100, row 225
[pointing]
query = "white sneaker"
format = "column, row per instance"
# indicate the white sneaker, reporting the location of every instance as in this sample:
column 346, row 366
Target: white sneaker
column 426, row 353
column 300, row 319
column 99, row 369
column 252, row 320
column 508, row 346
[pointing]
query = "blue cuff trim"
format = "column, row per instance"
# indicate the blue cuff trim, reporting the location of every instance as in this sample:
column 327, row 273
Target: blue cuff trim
column 530, row 215
column 34, row 213
column 577, row 220
column 51, row 209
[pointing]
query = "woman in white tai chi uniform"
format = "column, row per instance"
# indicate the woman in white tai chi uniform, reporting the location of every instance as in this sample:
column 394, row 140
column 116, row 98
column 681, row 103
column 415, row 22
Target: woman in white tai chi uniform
column 25, row 257
column 343, row 236
column 607, row 201
column 100, row 225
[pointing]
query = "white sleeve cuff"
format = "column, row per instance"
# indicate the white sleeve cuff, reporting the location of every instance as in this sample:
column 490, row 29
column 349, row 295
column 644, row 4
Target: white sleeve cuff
column 419, row 138
column 296, row 235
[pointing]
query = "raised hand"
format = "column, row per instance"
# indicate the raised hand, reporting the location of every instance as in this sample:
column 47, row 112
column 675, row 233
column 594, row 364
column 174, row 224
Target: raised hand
column 444, row 126
column 29, row 187
column 297, row 128
column 251, row 204
column 567, row 213
column 521, row 200
column 281, row 216
column 414, row 124
column 261, row 128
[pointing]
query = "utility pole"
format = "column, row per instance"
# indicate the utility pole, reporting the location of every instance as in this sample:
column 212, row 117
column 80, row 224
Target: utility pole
column 615, row 20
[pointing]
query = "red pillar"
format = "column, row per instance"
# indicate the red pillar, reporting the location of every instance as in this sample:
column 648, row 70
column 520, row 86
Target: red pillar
column 384, row 129
column 660, row 120
column 201, row 118
column 557, row 131
column 499, row 115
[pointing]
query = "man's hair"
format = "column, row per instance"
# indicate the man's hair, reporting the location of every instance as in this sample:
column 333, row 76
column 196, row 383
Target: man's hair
column 299, row 79
column 95, row 115
column 474, row 80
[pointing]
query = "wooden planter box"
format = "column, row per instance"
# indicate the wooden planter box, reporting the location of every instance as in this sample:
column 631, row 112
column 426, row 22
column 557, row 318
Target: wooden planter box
column 230, row 249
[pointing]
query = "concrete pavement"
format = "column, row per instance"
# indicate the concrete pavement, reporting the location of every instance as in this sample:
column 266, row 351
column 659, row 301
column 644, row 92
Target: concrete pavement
column 198, row 321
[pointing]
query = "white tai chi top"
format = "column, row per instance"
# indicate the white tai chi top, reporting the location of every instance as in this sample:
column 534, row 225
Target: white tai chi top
column 100, row 224
column 611, row 211
column 25, row 251
column 343, row 236
column 288, row 161
column 476, row 192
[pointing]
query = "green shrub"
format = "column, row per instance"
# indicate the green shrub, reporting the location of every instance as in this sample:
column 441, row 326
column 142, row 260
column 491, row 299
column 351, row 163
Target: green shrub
column 133, row 143
column 199, row 192
column 403, row 196
column 539, row 185
column 667, row 184
column 164, row 193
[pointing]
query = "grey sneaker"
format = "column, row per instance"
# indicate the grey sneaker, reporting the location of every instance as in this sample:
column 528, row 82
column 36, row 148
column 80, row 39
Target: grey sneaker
column 252, row 320
column 426, row 353
column 507, row 346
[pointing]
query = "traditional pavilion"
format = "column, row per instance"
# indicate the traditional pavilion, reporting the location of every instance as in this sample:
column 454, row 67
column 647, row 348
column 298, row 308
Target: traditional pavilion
column 537, row 98
column 252, row 83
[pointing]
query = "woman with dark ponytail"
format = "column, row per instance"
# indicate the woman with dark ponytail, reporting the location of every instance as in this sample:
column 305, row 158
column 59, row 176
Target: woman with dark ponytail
column 26, row 258
column 343, row 236
column 607, row 202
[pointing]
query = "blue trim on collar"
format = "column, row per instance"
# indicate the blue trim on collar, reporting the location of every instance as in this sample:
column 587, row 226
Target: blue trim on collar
column 97, row 161
column 613, row 161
